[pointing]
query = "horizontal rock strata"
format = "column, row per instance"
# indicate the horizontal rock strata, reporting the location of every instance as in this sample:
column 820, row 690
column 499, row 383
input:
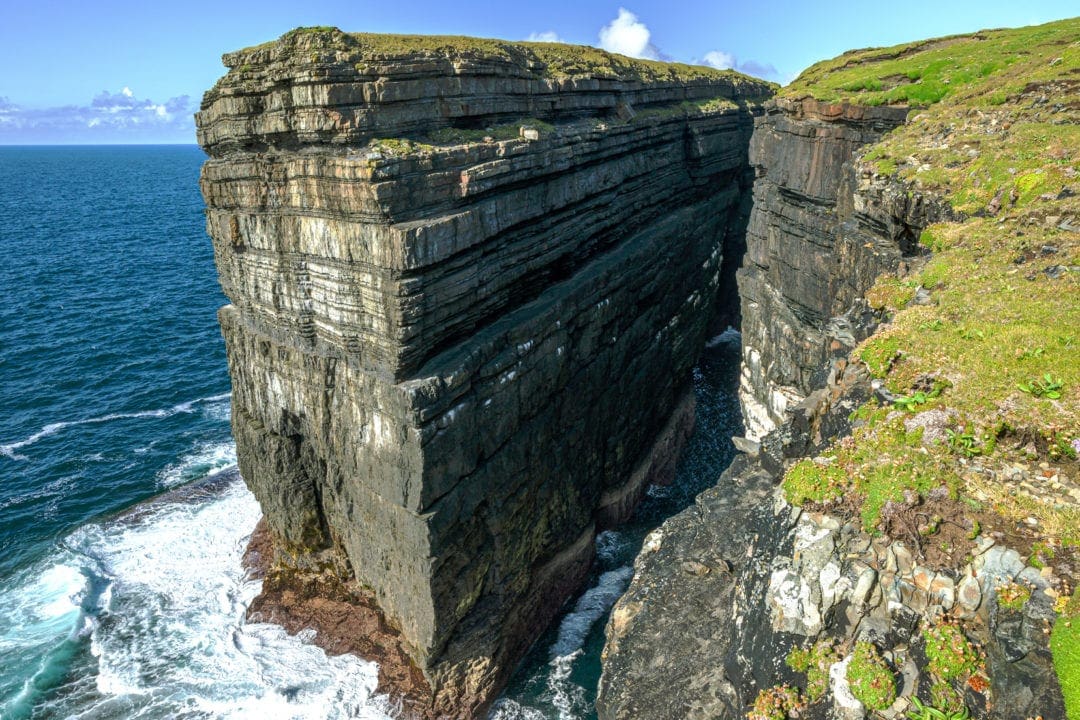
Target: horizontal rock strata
column 820, row 233
column 451, row 361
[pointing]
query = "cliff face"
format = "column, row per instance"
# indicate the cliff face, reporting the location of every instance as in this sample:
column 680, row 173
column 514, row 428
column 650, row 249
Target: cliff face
column 819, row 235
column 452, row 361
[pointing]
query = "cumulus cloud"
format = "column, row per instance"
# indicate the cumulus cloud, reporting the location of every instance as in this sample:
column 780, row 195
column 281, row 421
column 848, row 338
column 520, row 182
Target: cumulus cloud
column 719, row 60
column 546, row 36
column 110, row 117
column 726, row 61
column 627, row 35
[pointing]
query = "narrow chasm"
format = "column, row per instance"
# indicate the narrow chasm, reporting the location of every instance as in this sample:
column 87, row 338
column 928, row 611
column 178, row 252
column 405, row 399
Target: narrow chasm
column 559, row 676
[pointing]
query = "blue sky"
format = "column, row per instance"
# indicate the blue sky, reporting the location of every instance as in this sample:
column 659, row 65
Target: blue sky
column 123, row 71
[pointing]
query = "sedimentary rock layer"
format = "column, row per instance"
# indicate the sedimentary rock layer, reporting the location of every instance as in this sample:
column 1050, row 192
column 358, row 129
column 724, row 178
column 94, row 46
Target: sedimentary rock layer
column 452, row 360
column 820, row 233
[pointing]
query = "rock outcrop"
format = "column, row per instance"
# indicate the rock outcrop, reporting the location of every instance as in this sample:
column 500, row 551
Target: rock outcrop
column 468, row 280
column 820, row 233
column 724, row 591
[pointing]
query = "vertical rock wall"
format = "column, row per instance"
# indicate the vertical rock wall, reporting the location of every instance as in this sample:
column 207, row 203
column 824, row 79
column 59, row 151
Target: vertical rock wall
column 451, row 361
column 813, row 248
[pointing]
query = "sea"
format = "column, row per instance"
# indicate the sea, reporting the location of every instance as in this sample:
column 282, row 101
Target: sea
column 122, row 516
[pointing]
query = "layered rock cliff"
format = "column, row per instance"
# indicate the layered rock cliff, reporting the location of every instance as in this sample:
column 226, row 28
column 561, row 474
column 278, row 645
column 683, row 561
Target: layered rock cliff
column 467, row 283
column 902, row 539
column 820, row 234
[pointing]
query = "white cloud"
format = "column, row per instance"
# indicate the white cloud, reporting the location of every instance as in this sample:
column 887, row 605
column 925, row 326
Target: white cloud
column 727, row 61
column 719, row 59
column 546, row 36
column 109, row 117
column 627, row 35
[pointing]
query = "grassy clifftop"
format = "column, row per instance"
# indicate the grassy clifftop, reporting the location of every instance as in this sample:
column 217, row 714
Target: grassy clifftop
column 543, row 59
column 983, row 68
column 982, row 345
column 985, row 326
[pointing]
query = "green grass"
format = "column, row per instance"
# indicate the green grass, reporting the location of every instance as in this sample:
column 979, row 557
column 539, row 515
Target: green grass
column 1065, row 646
column 545, row 60
column 875, row 464
column 776, row 703
column 502, row 131
column 951, row 656
column 998, row 330
column 1013, row 596
column 870, row 679
column 994, row 331
column 815, row 662
column 927, row 72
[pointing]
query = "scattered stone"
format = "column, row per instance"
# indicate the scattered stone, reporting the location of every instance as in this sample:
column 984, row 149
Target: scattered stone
column 653, row 541
column 943, row 590
column 1056, row 272
column 998, row 565
column 791, row 604
column 845, row 705
column 864, row 586
column 905, row 563
column 693, row 567
column 969, row 597
column 922, row 577
column 746, row 445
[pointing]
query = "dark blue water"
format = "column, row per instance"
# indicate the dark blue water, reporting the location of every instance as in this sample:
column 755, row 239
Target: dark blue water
column 113, row 390
column 121, row 589
column 111, row 368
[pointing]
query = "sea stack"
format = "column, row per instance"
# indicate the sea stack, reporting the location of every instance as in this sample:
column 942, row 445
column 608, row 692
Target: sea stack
column 468, row 280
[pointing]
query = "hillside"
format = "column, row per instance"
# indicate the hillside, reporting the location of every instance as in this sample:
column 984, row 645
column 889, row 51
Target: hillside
column 985, row 327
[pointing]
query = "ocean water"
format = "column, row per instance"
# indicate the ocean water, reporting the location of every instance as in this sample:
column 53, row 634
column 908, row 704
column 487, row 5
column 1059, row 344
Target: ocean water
column 122, row 518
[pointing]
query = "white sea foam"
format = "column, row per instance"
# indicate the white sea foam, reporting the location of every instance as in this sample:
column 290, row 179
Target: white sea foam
column 569, row 698
column 200, row 462
column 609, row 545
column 166, row 627
column 590, row 607
column 730, row 335
column 175, row 622
column 46, row 604
column 52, row 428
column 505, row 709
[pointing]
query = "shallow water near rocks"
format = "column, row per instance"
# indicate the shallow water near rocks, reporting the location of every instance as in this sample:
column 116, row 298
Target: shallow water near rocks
column 558, row 679
column 122, row 520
